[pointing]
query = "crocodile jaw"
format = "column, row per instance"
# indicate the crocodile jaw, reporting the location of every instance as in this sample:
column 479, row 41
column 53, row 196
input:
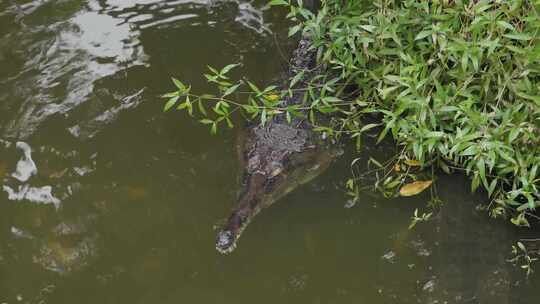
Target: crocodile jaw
column 253, row 201
column 227, row 238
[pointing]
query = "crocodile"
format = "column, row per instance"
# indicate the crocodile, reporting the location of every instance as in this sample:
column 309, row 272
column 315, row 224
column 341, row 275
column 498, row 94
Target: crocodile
column 278, row 156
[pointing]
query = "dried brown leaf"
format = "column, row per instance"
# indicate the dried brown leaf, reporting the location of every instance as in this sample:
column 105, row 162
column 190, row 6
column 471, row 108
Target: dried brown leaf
column 414, row 188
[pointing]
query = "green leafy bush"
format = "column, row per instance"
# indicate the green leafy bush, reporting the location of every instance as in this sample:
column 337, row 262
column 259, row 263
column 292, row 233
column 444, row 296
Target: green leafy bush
column 455, row 83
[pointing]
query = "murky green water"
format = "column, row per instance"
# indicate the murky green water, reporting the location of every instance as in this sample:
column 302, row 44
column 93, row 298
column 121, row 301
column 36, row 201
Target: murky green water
column 119, row 201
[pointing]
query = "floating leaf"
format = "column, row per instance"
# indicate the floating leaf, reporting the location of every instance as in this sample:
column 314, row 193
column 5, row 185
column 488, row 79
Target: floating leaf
column 414, row 188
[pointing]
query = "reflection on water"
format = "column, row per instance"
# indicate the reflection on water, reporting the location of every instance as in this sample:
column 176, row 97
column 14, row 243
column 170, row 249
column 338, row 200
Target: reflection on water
column 57, row 242
column 61, row 61
column 465, row 253
column 105, row 199
column 87, row 129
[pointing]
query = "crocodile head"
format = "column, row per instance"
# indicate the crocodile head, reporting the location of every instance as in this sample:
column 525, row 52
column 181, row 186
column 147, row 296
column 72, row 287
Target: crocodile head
column 276, row 159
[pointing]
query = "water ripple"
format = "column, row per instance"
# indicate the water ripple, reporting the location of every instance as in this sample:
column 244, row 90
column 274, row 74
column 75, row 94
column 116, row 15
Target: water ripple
column 60, row 71
column 62, row 57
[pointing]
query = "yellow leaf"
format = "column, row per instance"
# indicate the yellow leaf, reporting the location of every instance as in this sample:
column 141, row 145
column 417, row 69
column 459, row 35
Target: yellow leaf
column 397, row 168
column 414, row 188
column 272, row 97
column 412, row 163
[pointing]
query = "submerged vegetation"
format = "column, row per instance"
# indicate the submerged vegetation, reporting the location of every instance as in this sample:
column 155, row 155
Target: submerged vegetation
column 454, row 83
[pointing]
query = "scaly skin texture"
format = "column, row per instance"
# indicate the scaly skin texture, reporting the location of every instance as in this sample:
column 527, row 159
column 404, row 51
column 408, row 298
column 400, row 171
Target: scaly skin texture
column 277, row 157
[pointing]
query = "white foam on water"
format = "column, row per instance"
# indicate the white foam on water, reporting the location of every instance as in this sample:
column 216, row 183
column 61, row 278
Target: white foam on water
column 20, row 233
column 26, row 167
column 5, row 143
column 38, row 195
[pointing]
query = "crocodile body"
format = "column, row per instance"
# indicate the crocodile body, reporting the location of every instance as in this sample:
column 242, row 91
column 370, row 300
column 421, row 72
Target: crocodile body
column 278, row 156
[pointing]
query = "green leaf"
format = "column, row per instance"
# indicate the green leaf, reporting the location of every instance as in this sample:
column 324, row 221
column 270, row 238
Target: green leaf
column 293, row 30
column 471, row 150
column 179, row 84
column 386, row 91
column 330, row 99
column 231, row 90
column 297, row 78
column 216, row 72
column 423, row 34
column 519, row 36
column 368, row 27
column 201, row 107
column 263, row 117
column 254, row 88
column 464, row 61
column 505, row 25
column 229, row 122
column 170, row 103
column 278, row 2
column 206, row 121
column 492, row 187
column 521, row 246
column 269, row 89
column 368, row 127
column 482, row 171
column 229, row 67
column 170, row 94
column 520, row 220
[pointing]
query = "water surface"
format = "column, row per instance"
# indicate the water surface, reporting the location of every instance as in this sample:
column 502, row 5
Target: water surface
column 111, row 201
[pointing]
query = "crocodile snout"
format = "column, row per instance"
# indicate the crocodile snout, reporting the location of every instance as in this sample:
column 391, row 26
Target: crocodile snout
column 225, row 241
